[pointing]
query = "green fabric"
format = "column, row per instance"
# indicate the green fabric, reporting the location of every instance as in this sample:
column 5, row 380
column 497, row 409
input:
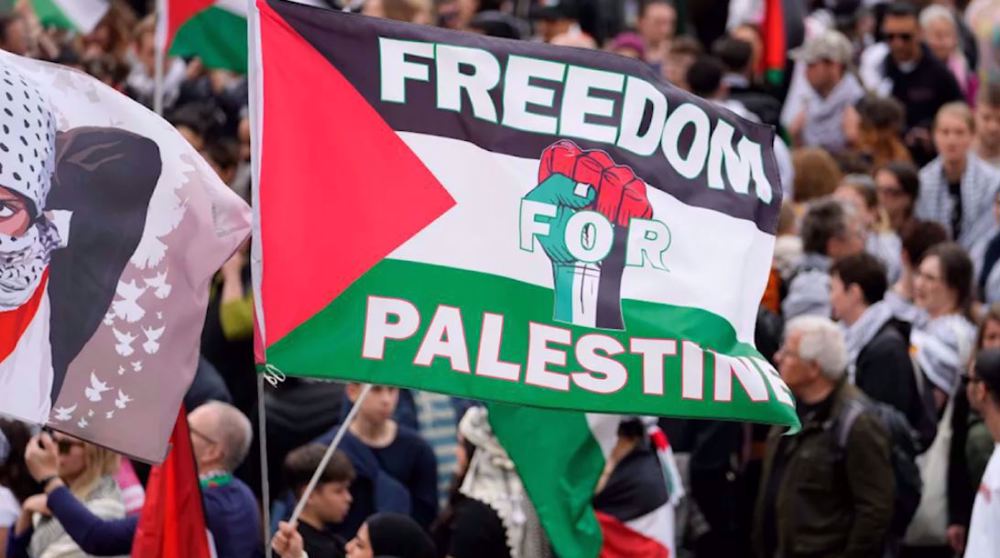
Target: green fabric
column 978, row 449
column 217, row 36
column 559, row 465
column 329, row 345
column 50, row 15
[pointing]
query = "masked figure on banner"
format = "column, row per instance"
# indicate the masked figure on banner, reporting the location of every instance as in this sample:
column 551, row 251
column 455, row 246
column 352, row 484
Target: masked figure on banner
column 593, row 219
column 72, row 212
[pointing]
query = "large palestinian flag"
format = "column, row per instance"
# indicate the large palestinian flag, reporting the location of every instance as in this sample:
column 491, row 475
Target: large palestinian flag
column 512, row 222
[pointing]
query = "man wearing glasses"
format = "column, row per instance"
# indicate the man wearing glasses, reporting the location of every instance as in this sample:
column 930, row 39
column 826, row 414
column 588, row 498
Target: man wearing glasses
column 904, row 68
column 983, row 388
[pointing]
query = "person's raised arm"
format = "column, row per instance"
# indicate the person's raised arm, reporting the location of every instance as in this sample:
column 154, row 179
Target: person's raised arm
column 95, row 536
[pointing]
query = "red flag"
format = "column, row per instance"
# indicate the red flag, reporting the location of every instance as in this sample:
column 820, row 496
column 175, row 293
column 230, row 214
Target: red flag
column 775, row 51
column 172, row 524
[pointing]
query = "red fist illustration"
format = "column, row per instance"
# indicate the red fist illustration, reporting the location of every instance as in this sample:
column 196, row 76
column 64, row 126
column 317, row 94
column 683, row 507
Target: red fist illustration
column 620, row 194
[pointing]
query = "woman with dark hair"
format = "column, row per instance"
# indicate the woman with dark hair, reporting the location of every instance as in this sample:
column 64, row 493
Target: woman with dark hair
column 879, row 129
column 943, row 340
column 489, row 514
column 391, row 534
column 896, row 186
column 944, row 336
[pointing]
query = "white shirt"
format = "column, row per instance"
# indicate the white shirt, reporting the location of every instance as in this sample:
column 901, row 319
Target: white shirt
column 9, row 508
column 984, row 530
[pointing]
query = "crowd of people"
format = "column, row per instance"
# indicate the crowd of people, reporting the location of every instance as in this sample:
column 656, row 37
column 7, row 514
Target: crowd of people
column 882, row 311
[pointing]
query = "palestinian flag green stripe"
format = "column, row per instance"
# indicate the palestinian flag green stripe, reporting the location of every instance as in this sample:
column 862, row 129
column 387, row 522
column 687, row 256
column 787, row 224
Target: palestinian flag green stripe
column 217, row 36
column 329, row 345
column 560, row 479
column 76, row 15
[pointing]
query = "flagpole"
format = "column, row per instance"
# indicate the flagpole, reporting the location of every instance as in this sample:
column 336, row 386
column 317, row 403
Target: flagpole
column 159, row 41
column 265, row 485
column 329, row 453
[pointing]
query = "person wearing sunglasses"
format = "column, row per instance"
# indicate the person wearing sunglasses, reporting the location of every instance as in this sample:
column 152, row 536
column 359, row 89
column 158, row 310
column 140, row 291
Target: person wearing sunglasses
column 982, row 385
column 84, row 471
column 903, row 67
column 220, row 439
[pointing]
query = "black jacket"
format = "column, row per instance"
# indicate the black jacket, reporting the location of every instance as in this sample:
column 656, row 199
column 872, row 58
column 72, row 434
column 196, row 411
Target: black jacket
column 923, row 90
column 884, row 371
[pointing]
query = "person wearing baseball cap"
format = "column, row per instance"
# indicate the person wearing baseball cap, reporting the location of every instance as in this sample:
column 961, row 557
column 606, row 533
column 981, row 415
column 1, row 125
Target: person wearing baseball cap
column 831, row 94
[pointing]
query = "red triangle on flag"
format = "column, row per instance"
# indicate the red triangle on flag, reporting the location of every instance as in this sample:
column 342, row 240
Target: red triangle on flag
column 339, row 190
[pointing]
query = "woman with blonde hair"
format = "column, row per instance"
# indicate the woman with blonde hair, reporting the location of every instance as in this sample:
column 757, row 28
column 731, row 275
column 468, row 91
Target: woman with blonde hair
column 958, row 189
column 87, row 471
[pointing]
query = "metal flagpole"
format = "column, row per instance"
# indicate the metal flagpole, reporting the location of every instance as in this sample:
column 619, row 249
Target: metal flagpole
column 329, row 453
column 161, row 52
column 265, row 485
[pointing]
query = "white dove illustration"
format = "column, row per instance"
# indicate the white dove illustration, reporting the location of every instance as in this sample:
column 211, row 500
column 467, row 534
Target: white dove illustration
column 160, row 284
column 137, row 366
column 83, row 422
column 124, row 346
column 97, row 387
column 109, row 318
column 152, row 339
column 123, row 400
column 159, row 315
column 63, row 413
column 121, row 370
column 90, row 413
column 110, row 414
column 128, row 308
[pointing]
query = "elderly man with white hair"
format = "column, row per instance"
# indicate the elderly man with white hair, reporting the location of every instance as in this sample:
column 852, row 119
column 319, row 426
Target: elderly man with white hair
column 821, row 496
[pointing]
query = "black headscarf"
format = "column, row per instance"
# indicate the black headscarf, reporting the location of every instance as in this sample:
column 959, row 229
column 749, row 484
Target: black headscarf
column 395, row 535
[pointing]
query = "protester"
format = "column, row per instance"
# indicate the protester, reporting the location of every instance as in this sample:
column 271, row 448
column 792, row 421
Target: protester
column 816, row 499
column 830, row 230
column 221, row 436
column 816, row 174
column 909, row 72
column 940, row 27
column 656, row 25
column 396, row 469
column 983, row 389
column 828, row 103
column 85, row 473
column 958, row 189
column 876, row 133
column 391, row 534
column 988, row 279
column 897, row 186
column 877, row 343
column 943, row 341
column 737, row 56
column 327, row 504
column 987, row 142
column 880, row 240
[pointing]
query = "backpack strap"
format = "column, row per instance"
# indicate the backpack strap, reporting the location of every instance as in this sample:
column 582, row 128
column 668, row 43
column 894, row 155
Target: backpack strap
column 842, row 425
